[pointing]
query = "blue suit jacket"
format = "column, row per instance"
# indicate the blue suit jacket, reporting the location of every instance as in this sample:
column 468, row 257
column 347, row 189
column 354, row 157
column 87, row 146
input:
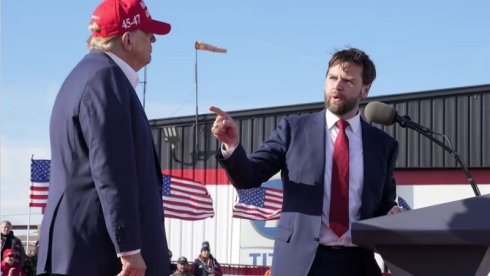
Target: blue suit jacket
column 105, row 183
column 297, row 149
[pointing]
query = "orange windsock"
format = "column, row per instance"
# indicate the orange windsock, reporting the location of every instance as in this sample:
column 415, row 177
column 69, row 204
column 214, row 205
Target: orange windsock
column 208, row 47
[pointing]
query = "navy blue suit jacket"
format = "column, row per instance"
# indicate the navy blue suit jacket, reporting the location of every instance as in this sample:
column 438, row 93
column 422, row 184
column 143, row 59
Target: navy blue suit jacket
column 105, row 183
column 297, row 149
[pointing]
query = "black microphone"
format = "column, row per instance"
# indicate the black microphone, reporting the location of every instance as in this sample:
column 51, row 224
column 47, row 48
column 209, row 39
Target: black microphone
column 381, row 113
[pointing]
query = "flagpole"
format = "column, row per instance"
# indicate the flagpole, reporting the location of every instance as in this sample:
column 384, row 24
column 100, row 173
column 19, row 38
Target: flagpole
column 28, row 228
column 196, row 143
column 205, row 47
column 29, row 212
column 144, row 88
column 0, row 175
column 230, row 257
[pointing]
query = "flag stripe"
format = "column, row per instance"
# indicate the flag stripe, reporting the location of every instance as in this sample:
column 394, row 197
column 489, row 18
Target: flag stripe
column 39, row 192
column 35, row 204
column 40, row 197
column 180, row 202
column 187, row 217
column 254, row 216
column 249, row 214
column 191, row 196
column 254, row 210
column 39, row 186
column 43, row 201
column 189, row 211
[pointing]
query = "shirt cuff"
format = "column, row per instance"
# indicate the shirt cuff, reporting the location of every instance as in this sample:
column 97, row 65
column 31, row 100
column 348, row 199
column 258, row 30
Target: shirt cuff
column 227, row 153
column 127, row 253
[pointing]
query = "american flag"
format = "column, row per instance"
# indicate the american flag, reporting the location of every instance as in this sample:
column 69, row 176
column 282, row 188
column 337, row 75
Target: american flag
column 186, row 199
column 39, row 183
column 402, row 203
column 258, row 204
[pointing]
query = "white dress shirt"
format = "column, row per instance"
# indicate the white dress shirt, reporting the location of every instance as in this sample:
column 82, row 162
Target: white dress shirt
column 356, row 177
column 127, row 70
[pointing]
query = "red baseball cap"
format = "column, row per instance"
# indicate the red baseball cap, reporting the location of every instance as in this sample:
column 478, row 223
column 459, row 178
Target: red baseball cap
column 115, row 17
column 7, row 252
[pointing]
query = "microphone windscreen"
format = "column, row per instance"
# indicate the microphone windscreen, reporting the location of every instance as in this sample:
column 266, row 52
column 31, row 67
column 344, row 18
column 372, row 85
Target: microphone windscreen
column 380, row 113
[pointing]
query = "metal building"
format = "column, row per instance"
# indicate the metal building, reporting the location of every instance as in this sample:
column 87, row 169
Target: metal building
column 462, row 114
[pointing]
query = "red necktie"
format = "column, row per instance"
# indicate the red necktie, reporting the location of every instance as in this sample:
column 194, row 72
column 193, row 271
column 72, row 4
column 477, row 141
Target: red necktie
column 339, row 198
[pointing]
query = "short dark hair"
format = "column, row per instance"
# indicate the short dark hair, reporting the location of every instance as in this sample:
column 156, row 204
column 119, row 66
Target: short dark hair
column 358, row 57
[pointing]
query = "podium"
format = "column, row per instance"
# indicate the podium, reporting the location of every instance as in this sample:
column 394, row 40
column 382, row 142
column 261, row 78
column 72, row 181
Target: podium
column 446, row 239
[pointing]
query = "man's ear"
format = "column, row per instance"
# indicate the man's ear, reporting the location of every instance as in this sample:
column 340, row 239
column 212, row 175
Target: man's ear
column 126, row 41
column 365, row 91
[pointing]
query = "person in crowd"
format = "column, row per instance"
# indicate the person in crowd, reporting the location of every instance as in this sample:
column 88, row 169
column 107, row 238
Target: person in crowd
column 182, row 267
column 10, row 263
column 10, row 241
column 104, row 214
column 173, row 267
column 205, row 264
column 335, row 169
column 31, row 261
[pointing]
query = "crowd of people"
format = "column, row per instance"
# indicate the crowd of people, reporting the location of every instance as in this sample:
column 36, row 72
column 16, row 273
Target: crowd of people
column 15, row 261
column 205, row 264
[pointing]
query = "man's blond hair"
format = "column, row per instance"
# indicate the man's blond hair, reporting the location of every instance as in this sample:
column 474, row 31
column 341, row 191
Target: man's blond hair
column 105, row 44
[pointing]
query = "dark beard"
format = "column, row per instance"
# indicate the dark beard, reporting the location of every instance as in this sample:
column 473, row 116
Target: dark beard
column 347, row 106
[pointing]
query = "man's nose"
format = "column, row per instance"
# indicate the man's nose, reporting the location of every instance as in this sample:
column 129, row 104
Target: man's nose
column 339, row 84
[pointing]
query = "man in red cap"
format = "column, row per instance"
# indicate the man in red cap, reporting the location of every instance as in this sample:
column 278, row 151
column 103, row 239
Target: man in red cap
column 10, row 263
column 104, row 214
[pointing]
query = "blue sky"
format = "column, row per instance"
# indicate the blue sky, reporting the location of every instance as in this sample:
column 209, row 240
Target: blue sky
column 277, row 55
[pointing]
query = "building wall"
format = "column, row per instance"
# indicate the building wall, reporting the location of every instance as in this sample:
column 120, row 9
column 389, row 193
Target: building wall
column 462, row 114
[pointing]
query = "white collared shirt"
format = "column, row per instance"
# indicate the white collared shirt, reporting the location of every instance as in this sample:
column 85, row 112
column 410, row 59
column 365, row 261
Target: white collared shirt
column 127, row 70
column 356, row 177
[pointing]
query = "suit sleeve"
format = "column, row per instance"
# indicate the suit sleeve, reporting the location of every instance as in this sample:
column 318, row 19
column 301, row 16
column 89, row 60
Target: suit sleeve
column 105, row 118
column 251, row 171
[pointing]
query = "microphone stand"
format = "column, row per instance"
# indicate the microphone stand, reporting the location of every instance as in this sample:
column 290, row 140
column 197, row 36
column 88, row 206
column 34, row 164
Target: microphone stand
column 405, row 121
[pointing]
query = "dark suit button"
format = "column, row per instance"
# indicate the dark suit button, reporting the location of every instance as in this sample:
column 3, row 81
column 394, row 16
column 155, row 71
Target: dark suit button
column 119, row 233
column 120, row 237
column 316, row 239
